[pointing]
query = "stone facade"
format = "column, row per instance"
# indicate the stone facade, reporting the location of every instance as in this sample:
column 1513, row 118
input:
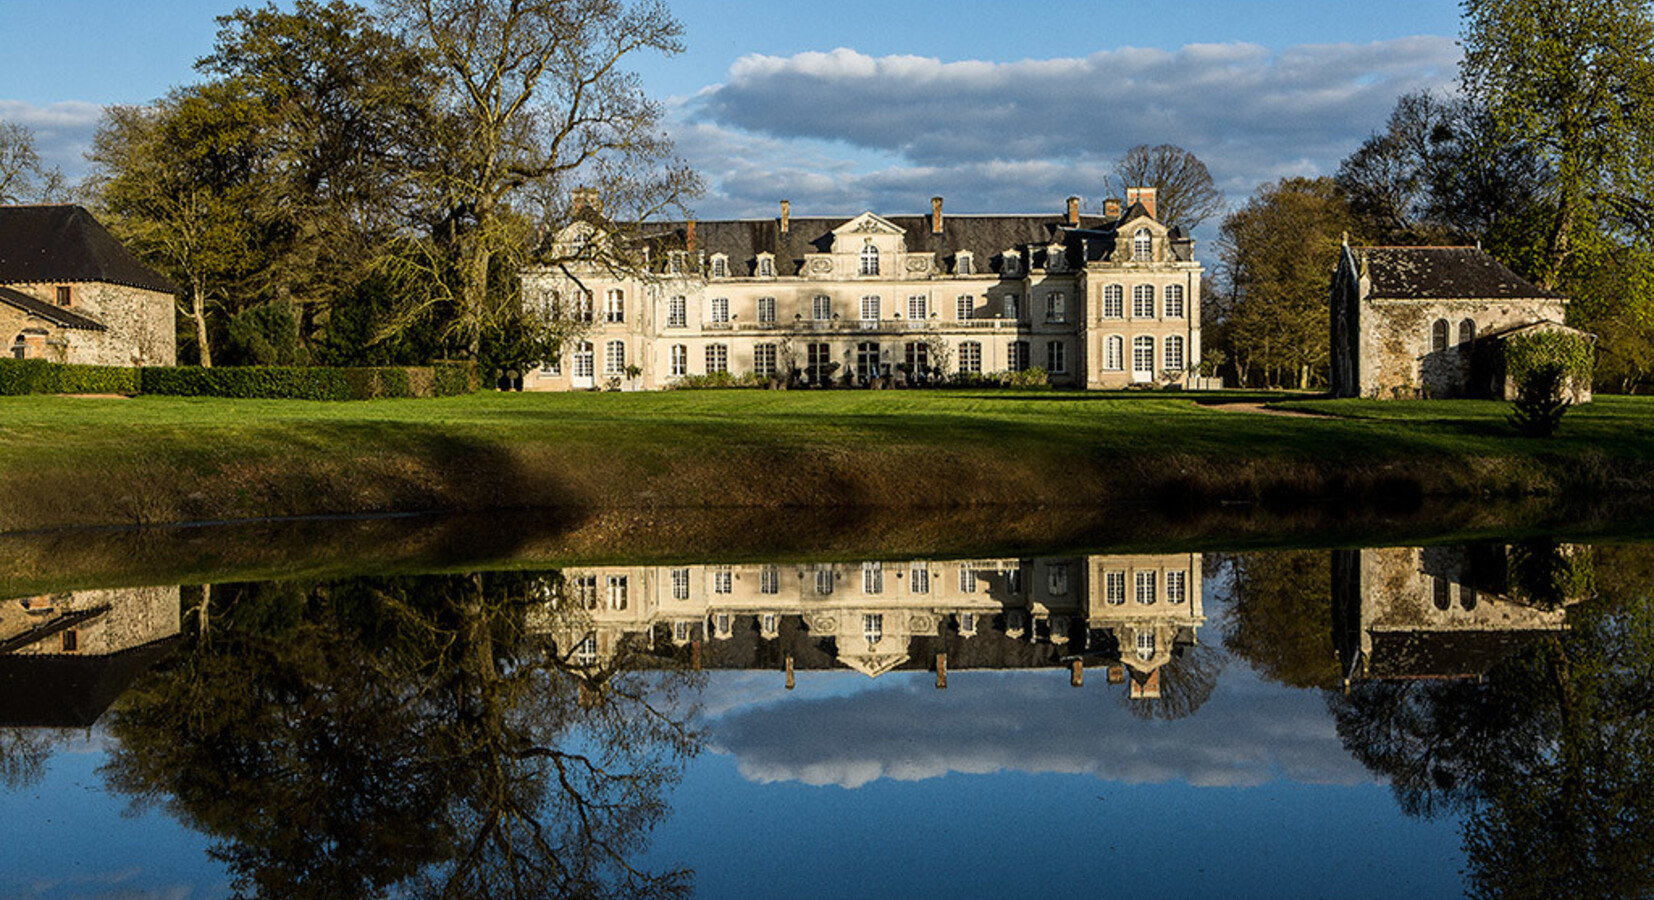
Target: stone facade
column 1096, row 302
column 1429, row 322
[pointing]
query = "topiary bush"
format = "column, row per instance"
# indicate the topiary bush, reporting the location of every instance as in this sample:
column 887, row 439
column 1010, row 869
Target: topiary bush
column 1540, row 402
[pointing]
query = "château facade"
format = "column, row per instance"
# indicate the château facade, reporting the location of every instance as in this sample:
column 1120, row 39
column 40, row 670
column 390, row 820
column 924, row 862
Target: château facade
column 1097, row 302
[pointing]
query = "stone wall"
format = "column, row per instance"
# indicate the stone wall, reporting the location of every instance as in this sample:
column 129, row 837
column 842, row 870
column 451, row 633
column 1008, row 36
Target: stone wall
column 1396, row 359
column 141, row 325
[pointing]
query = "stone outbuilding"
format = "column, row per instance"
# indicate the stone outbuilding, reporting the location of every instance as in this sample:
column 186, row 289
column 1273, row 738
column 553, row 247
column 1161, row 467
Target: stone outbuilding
column 70, row 292
column 1432, row 322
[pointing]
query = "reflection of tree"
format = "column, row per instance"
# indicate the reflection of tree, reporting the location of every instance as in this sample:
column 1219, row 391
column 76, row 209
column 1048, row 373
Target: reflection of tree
column 24, row 752
column 350, row 738
column 1278, row 613
column 1186, row 683
column 1551, row 757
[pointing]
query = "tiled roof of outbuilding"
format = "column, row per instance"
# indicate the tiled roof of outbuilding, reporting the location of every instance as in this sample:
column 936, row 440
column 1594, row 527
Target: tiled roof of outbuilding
column 45, row 244
column 57, row 315
column 1442, row 273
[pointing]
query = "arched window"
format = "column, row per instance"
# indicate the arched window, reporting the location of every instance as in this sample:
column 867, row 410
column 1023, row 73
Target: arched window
column 1114, row 353
column 1441, row 593
column 870, row 260
column 1142, row 245
column 1142, row 354
column 1438, row 336
column 20, row 348
column 1142, row 301
column 1172, row 305
column 1467, row 333
column 1114, row 302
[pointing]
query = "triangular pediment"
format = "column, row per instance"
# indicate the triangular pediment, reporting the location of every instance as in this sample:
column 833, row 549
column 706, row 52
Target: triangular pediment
column 873, row 664
column 868, row 223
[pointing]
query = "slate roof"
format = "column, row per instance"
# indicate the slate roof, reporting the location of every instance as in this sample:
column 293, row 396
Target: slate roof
column 56, row 315
column 51, row 691
column 1442, row 273
column 44, row 244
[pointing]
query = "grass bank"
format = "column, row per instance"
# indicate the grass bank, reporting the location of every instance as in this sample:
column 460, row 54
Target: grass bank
column 87, row 461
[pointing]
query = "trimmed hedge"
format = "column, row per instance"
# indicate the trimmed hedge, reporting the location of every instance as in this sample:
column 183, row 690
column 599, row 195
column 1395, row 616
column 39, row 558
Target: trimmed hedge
column 39, row 376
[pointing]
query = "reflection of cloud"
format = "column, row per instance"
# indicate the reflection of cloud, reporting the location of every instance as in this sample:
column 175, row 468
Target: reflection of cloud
column 62, row 131
column 1248, row 734
column 1012, row 137
column 114, row 884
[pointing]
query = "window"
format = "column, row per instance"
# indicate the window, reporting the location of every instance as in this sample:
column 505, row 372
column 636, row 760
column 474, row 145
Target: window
column 1142, row 301
column 1057, row 579
column 970, row 357
column 1145, row 645
column 1010, row 306
column 1443, row 593
column 723, row 581
column 769, row 625
column 614, row 358
column 717, row 358
column 766, row 309
column 819, row 360
column 585, row 653
column 967, row 580
column 1114, row 301
column 1142, row 245
column 824, row 581
column 617, row 592
column 1172, row 301
column 1056, row 308
column 763, row 360
column 674, row 262
column 821, row 309
column 720, row 266
column 872, row 627
column 918, row 307
column 962, row 264
column 1018, row 357
column 967, row 624
column 677, row 312
column 1438, row 336
column 1013, row 581
column 1467, row 597
column 680, row 584
column 1142, row 354
column 965, row 308
column 766, row 266
column 65, row 295
column 1056, row 357
column 1177, row 587
column 1467, row 333
column 70, row 639
column 870, row 308
column 1114, row 588
column 918, row 357
column 872, row 578
column 918, row 579
column 1055, row 259
column 868, row 366
column 869, row 260
column 584, row 365
column 583, row 306
column 680, row 632
column 614, row 306
column 553, row 366
column 1012, row 263
column 1173, row 345
column 680, row 360
column 769, row 580
column 1114, row 353
column 1146, row 588
column 585, row 592
column 720, row 309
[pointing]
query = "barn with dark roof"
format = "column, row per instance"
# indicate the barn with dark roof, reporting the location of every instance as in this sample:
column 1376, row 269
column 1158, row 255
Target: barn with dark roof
column 1431, row 322
column 70, row 292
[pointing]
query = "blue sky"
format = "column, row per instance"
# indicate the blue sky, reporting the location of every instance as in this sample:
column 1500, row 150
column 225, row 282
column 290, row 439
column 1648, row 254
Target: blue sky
column 857, row 104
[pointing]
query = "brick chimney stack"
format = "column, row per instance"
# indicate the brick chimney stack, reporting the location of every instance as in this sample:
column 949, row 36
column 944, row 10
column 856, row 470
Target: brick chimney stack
column 786, row 215
column 584, row 198
column 1145, row 196
column 936, row 215
column 689, row 237
column 1111, row 208
column 1074, row 212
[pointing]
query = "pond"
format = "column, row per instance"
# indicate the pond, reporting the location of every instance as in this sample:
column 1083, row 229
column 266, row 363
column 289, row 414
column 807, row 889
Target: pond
column 204, row 713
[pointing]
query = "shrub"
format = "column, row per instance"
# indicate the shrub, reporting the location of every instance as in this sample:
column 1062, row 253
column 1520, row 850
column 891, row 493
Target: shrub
column 1567, row 351
column 717, row 380
column 39, row 376
column 1539, row 405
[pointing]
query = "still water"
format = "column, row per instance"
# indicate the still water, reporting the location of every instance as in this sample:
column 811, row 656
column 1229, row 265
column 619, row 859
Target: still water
column 1427, row 721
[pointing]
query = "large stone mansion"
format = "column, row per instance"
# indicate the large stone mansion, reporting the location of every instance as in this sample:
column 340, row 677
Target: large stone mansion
column 1097, row 302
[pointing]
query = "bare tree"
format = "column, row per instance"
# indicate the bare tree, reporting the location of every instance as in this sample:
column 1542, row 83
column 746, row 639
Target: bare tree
column 1186, row 195
column 23, row 177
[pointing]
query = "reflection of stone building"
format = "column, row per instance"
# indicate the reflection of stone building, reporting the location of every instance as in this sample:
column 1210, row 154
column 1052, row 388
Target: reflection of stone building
column 1430, row 612
column 65, row 657
column 875, row 617
column 1097, row 302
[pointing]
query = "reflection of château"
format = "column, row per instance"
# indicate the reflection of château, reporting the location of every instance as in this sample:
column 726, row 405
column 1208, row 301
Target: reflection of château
column 1430, row 612
column 1127, row 612
column 65, row 657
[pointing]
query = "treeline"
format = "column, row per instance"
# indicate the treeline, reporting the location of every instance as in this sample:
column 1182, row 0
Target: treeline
column 350, row 185
column 1543, row 158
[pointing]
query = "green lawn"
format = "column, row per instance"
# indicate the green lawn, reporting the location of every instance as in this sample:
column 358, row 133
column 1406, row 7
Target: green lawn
column 231, row 451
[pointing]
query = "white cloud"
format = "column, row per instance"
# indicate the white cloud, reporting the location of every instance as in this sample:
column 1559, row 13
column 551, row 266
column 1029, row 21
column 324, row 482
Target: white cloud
column 62, row 131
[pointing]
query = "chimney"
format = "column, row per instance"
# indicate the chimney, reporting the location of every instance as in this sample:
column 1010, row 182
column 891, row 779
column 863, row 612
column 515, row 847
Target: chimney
column 786, row 215
column 689, row 237
column 1145, row 196
column 584, row 198
column 1111, row 208
column 936, row 215
column 1073, row 212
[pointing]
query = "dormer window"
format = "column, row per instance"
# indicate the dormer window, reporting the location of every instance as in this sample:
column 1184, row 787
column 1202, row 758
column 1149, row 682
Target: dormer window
column 674, row 262
column 1142, row 245
column 1013, row 263
column 869, row 259
column 962, row 263
column 720, row 266
column 766, row 265
column 1056, row 259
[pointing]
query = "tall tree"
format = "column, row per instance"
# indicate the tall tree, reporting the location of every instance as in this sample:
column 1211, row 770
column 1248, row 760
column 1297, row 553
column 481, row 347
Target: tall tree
column 1185, row 193
column 24, row 178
